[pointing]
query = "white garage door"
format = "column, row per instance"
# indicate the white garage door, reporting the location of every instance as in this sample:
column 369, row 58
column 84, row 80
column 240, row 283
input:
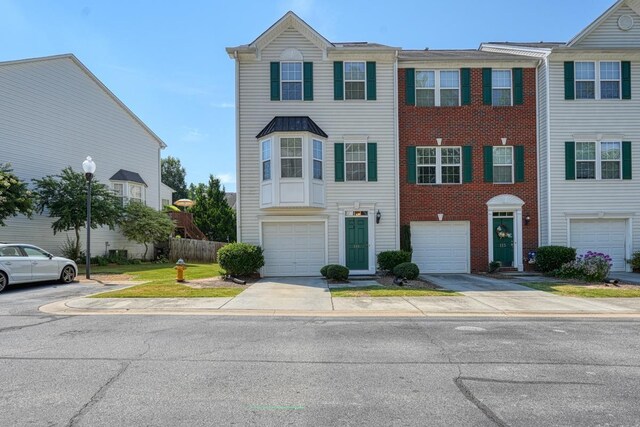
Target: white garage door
column 601, row 235
column 293, row 248
column 441, row 247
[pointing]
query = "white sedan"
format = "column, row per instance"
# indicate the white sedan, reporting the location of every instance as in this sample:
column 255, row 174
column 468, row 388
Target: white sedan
column 20, row 263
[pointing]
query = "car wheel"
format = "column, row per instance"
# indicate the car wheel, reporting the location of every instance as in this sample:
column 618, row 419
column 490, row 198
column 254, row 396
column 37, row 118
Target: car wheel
column 3, row 281
column 68, row 274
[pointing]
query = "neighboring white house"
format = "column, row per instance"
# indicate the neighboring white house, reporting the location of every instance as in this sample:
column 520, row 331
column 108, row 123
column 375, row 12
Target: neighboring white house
column 589, row 134
column 317, row 166
column 54, row 113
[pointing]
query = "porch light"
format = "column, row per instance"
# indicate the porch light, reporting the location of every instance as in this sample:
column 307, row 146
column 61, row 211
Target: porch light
column 527, row 219
column 378, row 216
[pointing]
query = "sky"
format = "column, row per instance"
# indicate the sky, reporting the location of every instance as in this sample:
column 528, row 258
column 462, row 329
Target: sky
column 166, row 60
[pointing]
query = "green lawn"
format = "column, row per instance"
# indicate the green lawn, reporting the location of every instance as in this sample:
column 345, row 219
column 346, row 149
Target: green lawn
column 161, row 280
column 571, row 290
column 389, row 291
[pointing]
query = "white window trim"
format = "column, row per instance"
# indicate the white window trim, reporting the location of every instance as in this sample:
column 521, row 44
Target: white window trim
column 597, row 81
column 439, row 165
column 503, row 87
column 512, row 164
column 598, row 161
column 126, row 191
column 302, row 156
column 314, row 159
column 283, row 81
column 437, row 88
column 365, row 161
column 263, row 160
column 344, row 84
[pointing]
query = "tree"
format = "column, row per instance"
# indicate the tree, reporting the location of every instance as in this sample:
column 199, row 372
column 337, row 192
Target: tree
column 173, row 175
column 65, row 197
column 15, row 197
column 211, row 212
column 145, row 225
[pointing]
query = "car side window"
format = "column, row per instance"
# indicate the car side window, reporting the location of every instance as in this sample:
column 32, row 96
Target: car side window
column 8, row 251
column 34, row 253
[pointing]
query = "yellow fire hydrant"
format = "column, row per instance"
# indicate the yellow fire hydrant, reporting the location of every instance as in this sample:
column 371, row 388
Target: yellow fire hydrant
column 181, row 267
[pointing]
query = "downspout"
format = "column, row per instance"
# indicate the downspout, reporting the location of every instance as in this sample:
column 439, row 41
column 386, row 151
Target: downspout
column 548, row 101
column 396, row 144
column 238, row 183
column 159, row 204
column 539, row 166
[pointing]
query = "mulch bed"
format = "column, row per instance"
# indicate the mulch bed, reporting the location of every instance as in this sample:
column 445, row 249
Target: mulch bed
column 409, row 284
column 218, row 282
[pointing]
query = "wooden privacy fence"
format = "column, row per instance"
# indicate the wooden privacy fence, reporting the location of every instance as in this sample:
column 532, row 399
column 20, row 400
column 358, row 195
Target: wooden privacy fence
column 191, row 250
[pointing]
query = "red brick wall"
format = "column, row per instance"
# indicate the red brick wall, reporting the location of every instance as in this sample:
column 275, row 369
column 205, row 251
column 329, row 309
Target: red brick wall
column 477, row 125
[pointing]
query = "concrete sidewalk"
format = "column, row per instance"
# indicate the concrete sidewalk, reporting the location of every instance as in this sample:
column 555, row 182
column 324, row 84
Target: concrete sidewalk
column 311, row 297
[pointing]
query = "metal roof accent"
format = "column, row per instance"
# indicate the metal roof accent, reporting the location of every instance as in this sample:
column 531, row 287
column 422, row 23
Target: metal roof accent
column 292, row 124
column 124, row 175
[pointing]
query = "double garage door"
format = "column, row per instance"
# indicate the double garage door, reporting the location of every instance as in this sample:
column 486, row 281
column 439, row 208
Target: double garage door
column 441, row 247
column 601, row 235
column 293, row 248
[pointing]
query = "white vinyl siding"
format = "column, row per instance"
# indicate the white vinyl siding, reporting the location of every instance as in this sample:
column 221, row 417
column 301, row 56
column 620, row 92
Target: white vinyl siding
column 609, row 35
column 373, row 119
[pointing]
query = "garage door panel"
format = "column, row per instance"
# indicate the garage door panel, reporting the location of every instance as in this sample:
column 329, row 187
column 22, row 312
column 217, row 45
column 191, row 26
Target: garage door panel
column 441, row 247
column 293, row 249
column 601, row 235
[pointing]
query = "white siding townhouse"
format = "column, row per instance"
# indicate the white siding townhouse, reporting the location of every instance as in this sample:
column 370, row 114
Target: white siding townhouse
column 317, row 168
column 589, row 134
column 54, row 113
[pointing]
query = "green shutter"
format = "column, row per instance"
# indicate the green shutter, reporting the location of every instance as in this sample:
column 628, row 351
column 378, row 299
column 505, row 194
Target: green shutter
column 488, row 163
column 570, row 160
column 465, row 85
column 411, row 165
column 372, row 161
column 518, row 154
column 410, row 86
column 308, row 81
column 371, row 81
column 486, row 87
column 569, row 81
column 275, row 81
column 467, row 163
column 517, row 86
column 626, row 80
column 338, row 81
column 626, row 160
column 339, row 161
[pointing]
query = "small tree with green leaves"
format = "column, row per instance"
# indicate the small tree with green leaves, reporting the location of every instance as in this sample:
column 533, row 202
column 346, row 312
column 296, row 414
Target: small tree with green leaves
column 145, row 225
column 211, row 212
column 15, row 197
column 173, row 175
column 64, row 197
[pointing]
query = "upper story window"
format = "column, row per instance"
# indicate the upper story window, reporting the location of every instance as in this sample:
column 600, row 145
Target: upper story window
column 598, row 80
column 317, row 159
column 136, row 193
column 291, row 157
column 503, row 165
column 598, row 160
column 266, row 160
column 439, row 165
column 437, row 88
column 354, row 80
column 118, row 190
column 501, row 87
column 291, row 81
column 356, row 161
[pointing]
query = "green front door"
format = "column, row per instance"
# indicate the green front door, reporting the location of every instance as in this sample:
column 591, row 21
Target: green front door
column 357, row 243
column 503, row 241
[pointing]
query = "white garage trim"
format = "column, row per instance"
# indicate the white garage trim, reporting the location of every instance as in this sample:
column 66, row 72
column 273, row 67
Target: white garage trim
column 601, row 216
column 434, row 229
column 295, row 219
column 371, row 223
column 507, row 203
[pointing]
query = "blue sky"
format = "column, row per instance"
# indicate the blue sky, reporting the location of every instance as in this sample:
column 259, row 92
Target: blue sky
column 166, row 60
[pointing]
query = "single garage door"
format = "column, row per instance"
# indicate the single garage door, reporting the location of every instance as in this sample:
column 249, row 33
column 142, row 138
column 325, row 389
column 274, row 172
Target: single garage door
column 601, row 235
column 441, row 247
column 293, row 248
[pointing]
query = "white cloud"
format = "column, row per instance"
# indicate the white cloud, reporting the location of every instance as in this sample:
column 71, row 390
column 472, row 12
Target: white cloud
column 194, row 135
column 227, row 178
column 223, row 105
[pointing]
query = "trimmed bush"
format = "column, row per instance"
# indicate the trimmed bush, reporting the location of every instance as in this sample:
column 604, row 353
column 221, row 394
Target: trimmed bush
column 389, row 259
column 494, row 266
column 337, row 272
column 550, row 258
column 635, row 261
column 407, row 270
column 240, row 259
column 324, row 269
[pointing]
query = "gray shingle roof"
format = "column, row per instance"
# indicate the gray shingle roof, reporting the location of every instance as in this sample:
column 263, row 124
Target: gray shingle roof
column 291, row 124
column 463, row 54
column 124, row 175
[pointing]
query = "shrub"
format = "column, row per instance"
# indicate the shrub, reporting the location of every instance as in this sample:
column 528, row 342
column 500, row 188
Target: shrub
column 494, row 266
column 100, row 260
column 635, row 260
column 337, row 272
column 550, row 258
column 389, row 259
column 407, row 270
column 240, row 259
column 324, row 269
column 590, row 267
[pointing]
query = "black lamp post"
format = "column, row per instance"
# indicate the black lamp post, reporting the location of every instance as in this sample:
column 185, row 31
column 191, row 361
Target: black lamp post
column 89, row 169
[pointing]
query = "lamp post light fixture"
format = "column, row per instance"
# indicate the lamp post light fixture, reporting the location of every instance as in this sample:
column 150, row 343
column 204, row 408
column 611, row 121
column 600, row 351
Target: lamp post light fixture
column 89, row 168
column 378, row 217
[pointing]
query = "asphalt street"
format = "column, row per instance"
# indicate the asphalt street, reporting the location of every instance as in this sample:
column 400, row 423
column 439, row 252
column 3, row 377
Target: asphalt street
column 201, row 370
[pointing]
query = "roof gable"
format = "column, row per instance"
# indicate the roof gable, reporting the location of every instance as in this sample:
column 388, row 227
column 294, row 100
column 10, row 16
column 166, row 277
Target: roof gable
column 290, row 20
column 608, row 30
